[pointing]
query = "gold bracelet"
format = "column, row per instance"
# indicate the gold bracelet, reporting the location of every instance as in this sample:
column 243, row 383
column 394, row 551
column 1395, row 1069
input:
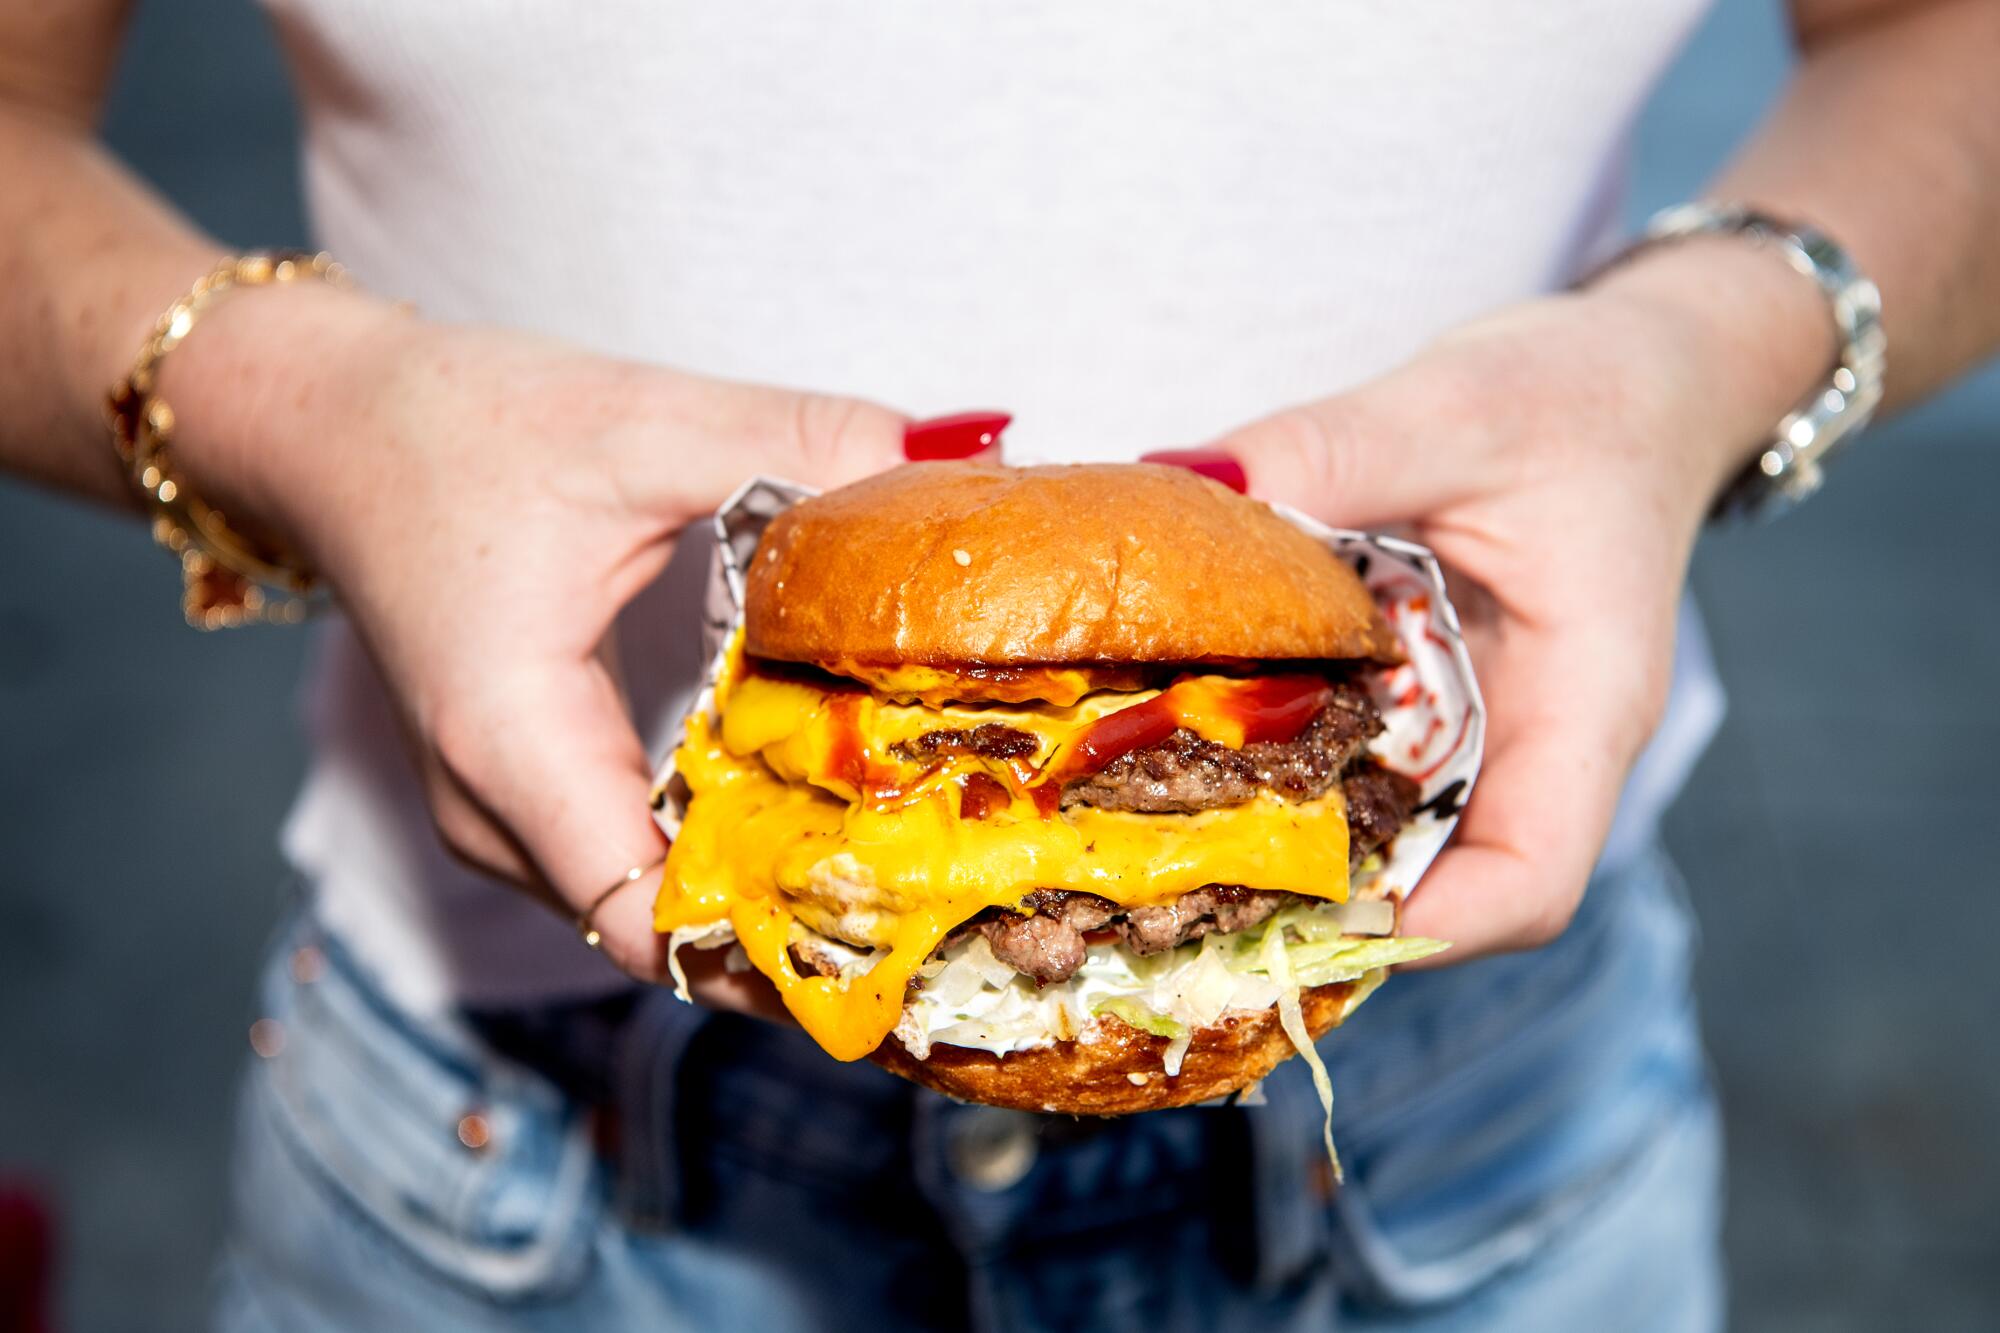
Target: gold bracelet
column 226, row 578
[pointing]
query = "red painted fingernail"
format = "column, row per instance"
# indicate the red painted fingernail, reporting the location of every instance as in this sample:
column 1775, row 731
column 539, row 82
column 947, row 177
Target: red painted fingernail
column 1211, row 463
column 959, row 436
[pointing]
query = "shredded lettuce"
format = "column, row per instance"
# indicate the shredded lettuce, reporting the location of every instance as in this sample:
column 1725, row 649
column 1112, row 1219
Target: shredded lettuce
column 1292, row 1015
column 1137, row 1015
column 970, row 998
column 1322, row 965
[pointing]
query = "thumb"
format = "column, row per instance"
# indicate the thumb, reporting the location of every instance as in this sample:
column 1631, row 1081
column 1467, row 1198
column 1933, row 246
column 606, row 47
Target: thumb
column 727, row 432
column 1383, row 453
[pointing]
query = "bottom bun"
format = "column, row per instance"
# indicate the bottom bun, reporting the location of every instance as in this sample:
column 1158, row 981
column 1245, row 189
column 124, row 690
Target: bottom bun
column 1117, row 1069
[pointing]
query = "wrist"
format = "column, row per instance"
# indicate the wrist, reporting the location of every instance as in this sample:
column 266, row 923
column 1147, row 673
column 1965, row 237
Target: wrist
column 257, row 385
column 1753, row 335
column 101, row 311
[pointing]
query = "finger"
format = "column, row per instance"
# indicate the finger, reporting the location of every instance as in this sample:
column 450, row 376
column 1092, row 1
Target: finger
column 1569, row 714
column 556, row 762
column 471, row 834
column 743, row 991
column 475, row 838
column 624, row 922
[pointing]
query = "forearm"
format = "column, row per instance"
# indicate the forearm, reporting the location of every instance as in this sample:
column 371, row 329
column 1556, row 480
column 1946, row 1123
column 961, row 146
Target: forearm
column 1888, row 139
column 88, row 259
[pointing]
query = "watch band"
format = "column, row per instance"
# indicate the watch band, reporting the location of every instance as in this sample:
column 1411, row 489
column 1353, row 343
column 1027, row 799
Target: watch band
column 1791, row 466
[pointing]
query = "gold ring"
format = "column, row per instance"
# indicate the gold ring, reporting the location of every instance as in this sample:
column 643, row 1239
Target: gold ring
column 584, row 924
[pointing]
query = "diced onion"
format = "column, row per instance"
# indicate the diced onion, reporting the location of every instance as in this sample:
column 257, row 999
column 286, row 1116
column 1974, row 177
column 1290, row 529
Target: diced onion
column 1377, row 917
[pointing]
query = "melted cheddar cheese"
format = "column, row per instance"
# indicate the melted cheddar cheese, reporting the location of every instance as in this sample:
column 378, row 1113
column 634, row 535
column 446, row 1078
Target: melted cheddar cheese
column 810, row 735
column 909, row 682
column 806, row 733
column 785, row 827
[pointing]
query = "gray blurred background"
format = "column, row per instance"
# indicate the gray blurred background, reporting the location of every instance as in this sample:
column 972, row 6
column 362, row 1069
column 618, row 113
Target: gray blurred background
column 1841, row 838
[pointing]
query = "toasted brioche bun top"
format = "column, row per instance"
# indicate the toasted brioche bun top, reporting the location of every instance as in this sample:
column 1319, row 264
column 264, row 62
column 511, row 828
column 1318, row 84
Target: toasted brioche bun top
column 947, row 564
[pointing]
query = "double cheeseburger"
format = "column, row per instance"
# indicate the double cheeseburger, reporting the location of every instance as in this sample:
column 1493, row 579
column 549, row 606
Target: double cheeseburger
column 1047, row 787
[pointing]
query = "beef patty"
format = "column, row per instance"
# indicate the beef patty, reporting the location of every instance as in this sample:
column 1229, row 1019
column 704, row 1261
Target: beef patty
column 1184, row 773
column 1048, row 941
column 992, row 740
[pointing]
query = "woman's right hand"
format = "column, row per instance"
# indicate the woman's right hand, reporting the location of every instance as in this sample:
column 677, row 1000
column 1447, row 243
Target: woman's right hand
column 483, row 504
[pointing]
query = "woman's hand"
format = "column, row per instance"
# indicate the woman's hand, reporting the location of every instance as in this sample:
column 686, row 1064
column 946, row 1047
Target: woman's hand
column 1559, row 457
column 483, row 504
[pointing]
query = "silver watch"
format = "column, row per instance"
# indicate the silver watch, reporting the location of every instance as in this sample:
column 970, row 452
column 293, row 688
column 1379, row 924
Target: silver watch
column 1791, row 466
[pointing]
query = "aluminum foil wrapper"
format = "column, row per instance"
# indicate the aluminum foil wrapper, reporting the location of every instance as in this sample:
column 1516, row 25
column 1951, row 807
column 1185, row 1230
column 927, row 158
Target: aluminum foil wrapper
column 1435, row 722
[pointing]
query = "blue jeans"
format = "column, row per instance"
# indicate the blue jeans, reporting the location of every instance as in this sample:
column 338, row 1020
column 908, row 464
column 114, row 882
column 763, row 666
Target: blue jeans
column 1530, row 1144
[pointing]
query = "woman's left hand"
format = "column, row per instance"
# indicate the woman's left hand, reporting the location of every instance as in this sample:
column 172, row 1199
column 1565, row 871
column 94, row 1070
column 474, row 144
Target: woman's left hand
column 1559, row 457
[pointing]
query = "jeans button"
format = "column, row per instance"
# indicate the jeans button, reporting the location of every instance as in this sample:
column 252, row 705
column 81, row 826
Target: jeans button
column 992, row 1149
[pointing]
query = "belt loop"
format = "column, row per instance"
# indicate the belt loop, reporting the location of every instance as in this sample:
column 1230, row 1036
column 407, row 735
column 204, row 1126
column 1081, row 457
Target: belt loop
column 648, row 1067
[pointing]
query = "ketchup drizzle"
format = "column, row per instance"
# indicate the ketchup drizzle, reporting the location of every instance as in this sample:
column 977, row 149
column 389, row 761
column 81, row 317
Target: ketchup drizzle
column 1269, row 708
column 847, row 754
column 1277, row 708
column 980, row 795
column 849, row 759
